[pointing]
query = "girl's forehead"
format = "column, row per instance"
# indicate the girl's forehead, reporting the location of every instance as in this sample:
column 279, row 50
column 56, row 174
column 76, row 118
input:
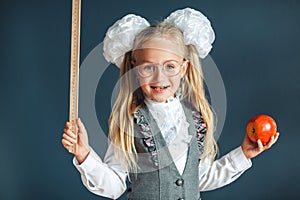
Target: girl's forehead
column 154, row 55
column 160, row 48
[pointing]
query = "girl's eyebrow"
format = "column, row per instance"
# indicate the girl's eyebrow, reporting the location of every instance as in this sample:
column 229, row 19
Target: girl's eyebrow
column 148, row 61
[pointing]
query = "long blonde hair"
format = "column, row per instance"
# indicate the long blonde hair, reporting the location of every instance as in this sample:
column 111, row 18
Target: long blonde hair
column 129, row 99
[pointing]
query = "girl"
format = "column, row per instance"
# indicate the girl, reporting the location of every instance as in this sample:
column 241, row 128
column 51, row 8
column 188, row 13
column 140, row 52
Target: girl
column 161, row 126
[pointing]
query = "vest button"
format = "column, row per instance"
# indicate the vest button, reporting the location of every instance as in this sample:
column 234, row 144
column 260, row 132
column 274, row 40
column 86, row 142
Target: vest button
column 179, row 182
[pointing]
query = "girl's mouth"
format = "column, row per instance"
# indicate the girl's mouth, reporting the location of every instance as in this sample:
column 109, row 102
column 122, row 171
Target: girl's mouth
column 159, row 89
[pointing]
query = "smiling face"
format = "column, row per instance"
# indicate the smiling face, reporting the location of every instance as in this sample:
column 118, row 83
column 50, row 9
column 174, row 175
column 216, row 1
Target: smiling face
column 159, row 87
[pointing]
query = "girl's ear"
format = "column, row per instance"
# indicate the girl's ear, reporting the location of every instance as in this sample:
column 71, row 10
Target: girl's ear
column 132, row 63
column 185, row 65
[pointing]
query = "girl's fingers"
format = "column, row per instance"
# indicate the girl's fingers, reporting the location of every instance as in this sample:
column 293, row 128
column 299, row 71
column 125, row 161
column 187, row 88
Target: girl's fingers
column 69, row 124
column 272, row 141
column 81, row 128
column 70, row 133
column 66, row 143
column 69, row 139
column 260, row 145
column 276, row 137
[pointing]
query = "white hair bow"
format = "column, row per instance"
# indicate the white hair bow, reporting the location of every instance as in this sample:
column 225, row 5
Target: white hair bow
column 195, row 26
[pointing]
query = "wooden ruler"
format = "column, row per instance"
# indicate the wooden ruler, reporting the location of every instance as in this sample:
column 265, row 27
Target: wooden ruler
column 74, row 72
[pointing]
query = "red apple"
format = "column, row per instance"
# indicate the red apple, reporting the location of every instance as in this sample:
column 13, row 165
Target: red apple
column 261, row 127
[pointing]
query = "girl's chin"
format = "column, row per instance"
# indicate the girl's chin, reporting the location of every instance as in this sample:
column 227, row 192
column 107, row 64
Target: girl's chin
column 158, row 98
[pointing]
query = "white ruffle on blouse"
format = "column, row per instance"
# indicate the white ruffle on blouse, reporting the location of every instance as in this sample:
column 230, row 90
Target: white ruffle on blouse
column 171, row 121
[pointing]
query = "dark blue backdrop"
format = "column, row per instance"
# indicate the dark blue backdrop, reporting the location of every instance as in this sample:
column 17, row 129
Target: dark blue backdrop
column 256, row 49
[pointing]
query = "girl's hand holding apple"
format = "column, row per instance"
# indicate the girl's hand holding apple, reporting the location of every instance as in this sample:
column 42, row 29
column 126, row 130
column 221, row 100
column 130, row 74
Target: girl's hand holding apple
column 261, row 135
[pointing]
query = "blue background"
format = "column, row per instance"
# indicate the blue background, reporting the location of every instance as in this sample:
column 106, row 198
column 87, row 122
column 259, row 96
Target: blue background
column 256, row 50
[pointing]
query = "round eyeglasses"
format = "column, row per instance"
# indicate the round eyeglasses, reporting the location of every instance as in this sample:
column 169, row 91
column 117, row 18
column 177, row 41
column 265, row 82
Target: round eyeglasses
column 169, row 68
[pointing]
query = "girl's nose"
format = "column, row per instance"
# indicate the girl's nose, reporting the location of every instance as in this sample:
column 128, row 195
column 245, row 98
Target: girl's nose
column 158, row 75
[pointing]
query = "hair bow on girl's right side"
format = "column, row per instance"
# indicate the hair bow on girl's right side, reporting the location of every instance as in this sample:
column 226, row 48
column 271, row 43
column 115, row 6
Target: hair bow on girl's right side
column 120, row 36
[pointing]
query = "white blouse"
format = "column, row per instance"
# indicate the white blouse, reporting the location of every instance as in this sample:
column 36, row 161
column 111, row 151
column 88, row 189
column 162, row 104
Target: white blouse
column 107, row 177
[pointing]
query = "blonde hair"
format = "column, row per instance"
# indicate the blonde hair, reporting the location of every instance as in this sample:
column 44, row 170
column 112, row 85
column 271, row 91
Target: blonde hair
column 129, row 100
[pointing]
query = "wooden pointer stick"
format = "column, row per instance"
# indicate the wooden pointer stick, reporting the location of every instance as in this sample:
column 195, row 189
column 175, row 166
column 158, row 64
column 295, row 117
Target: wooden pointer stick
column 74, row 70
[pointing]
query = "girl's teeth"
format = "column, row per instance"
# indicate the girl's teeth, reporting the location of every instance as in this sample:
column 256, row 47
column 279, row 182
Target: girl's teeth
column 160, row 88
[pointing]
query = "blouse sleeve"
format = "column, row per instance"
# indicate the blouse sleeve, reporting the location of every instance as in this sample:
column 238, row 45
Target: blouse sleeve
column 107, row 179
column 222, row 171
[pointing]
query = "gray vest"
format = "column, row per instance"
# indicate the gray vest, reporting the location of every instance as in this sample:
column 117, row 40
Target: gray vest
column 157, row 177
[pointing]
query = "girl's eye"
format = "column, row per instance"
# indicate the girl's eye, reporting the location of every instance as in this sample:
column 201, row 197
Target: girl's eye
column 169, row 67
column 148, row 67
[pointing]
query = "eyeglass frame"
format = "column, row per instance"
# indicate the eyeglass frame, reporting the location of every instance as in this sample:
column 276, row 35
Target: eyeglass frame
column 163, row 68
